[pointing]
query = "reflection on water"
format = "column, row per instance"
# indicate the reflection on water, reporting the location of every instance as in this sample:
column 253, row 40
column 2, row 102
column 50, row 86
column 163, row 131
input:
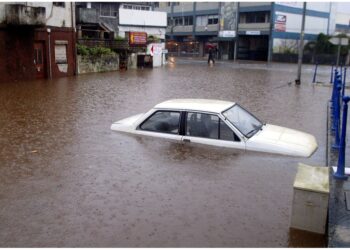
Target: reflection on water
column 67, row 180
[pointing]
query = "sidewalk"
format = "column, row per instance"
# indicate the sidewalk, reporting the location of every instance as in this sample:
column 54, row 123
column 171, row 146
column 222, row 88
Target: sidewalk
column 339, row 215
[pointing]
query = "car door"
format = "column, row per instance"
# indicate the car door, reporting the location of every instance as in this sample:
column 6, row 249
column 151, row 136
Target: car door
column 162, row 124
column 210, row 129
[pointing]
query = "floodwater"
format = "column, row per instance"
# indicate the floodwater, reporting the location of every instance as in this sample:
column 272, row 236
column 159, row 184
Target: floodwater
column 67, row 180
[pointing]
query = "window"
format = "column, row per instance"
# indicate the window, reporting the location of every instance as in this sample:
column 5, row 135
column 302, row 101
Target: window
column 201, row 20
column 188, row 20
column 178, row 21
column 257, row 17
column 225, row 133
column 243, row 120
column 176, row 3
column 163, row 122
column 170, row 21
column 61, row 52
column 108, row 10
column 214, row 19
column 202, row 125
column 59, row 4
column 208, row 126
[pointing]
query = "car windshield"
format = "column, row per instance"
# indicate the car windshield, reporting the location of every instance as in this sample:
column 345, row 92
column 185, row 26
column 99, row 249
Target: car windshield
column 243, row 120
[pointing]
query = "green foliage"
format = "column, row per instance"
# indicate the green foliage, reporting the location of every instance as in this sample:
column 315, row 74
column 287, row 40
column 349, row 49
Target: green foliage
column 119, row 38
column 152, row 38
column 82, row 50
column 322, row 45
column 95, row 51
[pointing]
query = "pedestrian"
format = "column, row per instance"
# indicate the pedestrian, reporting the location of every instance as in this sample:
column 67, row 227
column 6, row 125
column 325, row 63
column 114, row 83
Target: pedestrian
column 211, row 56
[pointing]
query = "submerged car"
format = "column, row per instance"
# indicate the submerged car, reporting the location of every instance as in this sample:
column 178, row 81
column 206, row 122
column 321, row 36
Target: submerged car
column 217, row 123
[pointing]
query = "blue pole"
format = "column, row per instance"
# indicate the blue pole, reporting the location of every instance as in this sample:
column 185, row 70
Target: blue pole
column 337, row 118
column 344, row 81
column 315, row 73
column 340, row 174
column 331, row 81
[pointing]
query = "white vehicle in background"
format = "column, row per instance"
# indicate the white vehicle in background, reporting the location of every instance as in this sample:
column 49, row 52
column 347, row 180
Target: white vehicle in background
column 217, row 123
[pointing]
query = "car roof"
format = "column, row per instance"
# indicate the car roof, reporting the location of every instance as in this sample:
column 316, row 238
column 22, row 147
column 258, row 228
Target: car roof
column 215, row 106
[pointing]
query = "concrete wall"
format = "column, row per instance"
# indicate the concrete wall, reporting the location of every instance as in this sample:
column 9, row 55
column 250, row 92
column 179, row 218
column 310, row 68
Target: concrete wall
column 142, row 18
column 159, row 32
column 89, row 64
column 55, row 16
column 183, row 6
column 207, row 6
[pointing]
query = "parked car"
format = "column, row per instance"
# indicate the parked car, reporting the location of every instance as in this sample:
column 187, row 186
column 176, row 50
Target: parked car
column 217, row 123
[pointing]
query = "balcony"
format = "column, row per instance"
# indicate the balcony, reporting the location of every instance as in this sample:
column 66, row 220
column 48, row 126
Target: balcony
column 85, row 15
column 19, row 14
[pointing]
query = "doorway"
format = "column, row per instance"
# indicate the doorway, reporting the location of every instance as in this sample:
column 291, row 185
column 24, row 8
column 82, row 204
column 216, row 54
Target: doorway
column 39, row 60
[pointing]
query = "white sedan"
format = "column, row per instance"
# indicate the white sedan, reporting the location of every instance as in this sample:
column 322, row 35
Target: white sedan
column 217, row 123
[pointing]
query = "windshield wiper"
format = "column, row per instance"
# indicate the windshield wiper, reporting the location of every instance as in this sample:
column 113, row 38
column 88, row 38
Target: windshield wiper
column 254, row 130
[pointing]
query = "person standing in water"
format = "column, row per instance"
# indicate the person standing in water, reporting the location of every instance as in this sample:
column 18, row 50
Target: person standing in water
column 211, row 56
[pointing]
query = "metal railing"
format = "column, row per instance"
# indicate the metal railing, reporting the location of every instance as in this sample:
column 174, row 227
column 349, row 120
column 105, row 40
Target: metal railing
column 112, row 44
column 339, row 113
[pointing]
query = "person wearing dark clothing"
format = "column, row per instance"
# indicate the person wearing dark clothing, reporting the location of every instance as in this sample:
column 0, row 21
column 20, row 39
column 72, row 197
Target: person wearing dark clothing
column 211, row 56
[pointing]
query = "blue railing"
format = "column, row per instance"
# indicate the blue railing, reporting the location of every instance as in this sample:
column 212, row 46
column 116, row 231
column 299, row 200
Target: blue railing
column 339, row 103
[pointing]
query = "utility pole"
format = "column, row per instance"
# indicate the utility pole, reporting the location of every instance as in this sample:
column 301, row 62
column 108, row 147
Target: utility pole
column 301, row 45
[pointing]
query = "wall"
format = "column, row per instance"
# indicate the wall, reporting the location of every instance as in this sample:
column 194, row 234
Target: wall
column 16, row 54
column 142, row 18
column 313, row 25
column 159, row 32
column 206, row 6
column 89, row 64
column 55, row 16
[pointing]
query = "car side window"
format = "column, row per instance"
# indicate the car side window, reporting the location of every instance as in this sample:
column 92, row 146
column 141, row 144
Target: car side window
column 226, row 132
column 208, row 126
column 163, row 122
column 202, row 125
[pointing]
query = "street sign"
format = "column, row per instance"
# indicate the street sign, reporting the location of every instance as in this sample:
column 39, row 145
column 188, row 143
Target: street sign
column 253, row 32
column 339, row 41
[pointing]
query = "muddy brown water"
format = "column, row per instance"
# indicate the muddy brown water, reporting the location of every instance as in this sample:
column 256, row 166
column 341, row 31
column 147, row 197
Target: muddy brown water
column 67, row 180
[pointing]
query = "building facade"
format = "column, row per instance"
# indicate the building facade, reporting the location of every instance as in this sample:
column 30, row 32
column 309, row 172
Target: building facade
column 37, row 40
column 115, row 19
column 246, row 30
column 192, row 26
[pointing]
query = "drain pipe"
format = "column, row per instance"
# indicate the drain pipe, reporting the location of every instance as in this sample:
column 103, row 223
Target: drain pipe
column 49, row 36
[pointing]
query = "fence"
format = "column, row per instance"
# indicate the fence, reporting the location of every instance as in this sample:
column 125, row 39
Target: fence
column 339, row 112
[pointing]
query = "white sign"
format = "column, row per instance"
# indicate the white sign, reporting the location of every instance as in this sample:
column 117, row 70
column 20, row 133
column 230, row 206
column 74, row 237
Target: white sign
column 227, row 33
column 253, row 32
column 165, row 51
column 339, row 41
column 154, row 49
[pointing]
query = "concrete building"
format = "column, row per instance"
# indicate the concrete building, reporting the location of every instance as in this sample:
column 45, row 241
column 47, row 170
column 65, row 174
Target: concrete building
column 37, row 40
column 194, row 25
column 263, row 32
column 112, row 20
column 286, row 25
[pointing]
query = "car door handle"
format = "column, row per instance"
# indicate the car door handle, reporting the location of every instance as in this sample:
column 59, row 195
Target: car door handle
column 187, row 140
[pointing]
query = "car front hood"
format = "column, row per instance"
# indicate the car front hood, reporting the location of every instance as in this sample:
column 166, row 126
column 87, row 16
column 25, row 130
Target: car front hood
column 126, row 124
column 281, row 140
